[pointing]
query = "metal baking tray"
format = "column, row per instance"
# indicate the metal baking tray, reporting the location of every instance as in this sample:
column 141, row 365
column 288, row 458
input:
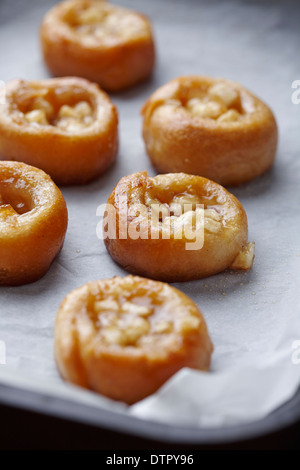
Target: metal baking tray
column 254, row 43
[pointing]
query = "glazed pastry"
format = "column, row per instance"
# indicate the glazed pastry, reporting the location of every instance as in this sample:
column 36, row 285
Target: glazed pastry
column 33, row 223
column 108, row 44
column 67, row 127
column 175, row 227
column 209, row 127
column 124, row 337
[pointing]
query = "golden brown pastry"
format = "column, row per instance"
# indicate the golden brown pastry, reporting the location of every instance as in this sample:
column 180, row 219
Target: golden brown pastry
column 124, row 337
column 175, row 227
column 209, row 127
column 68, row 127
column 33, row 223
column 108, row 44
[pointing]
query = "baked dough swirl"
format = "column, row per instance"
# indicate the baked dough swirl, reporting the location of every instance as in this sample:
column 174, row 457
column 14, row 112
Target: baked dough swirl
column 33, row 223
column 108, row 44
column 67, row 126
column 124, row 337
column 175, row 227
column 209, row 127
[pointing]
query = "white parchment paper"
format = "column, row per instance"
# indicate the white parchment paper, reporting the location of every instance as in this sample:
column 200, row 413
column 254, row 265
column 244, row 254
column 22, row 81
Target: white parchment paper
column 253, row 318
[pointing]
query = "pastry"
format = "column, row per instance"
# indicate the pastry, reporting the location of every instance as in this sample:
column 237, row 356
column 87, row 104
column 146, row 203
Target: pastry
column 124, row 337
column 108, row 44
column 209, row 127
column 68, row 127
column 175, row 227
column 33, row 223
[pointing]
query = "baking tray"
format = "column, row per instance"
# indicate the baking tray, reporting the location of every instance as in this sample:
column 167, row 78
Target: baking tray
column 254, row 43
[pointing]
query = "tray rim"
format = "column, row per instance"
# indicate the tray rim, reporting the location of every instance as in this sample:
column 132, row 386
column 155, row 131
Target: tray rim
column 49, row 405
column 46, row 404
